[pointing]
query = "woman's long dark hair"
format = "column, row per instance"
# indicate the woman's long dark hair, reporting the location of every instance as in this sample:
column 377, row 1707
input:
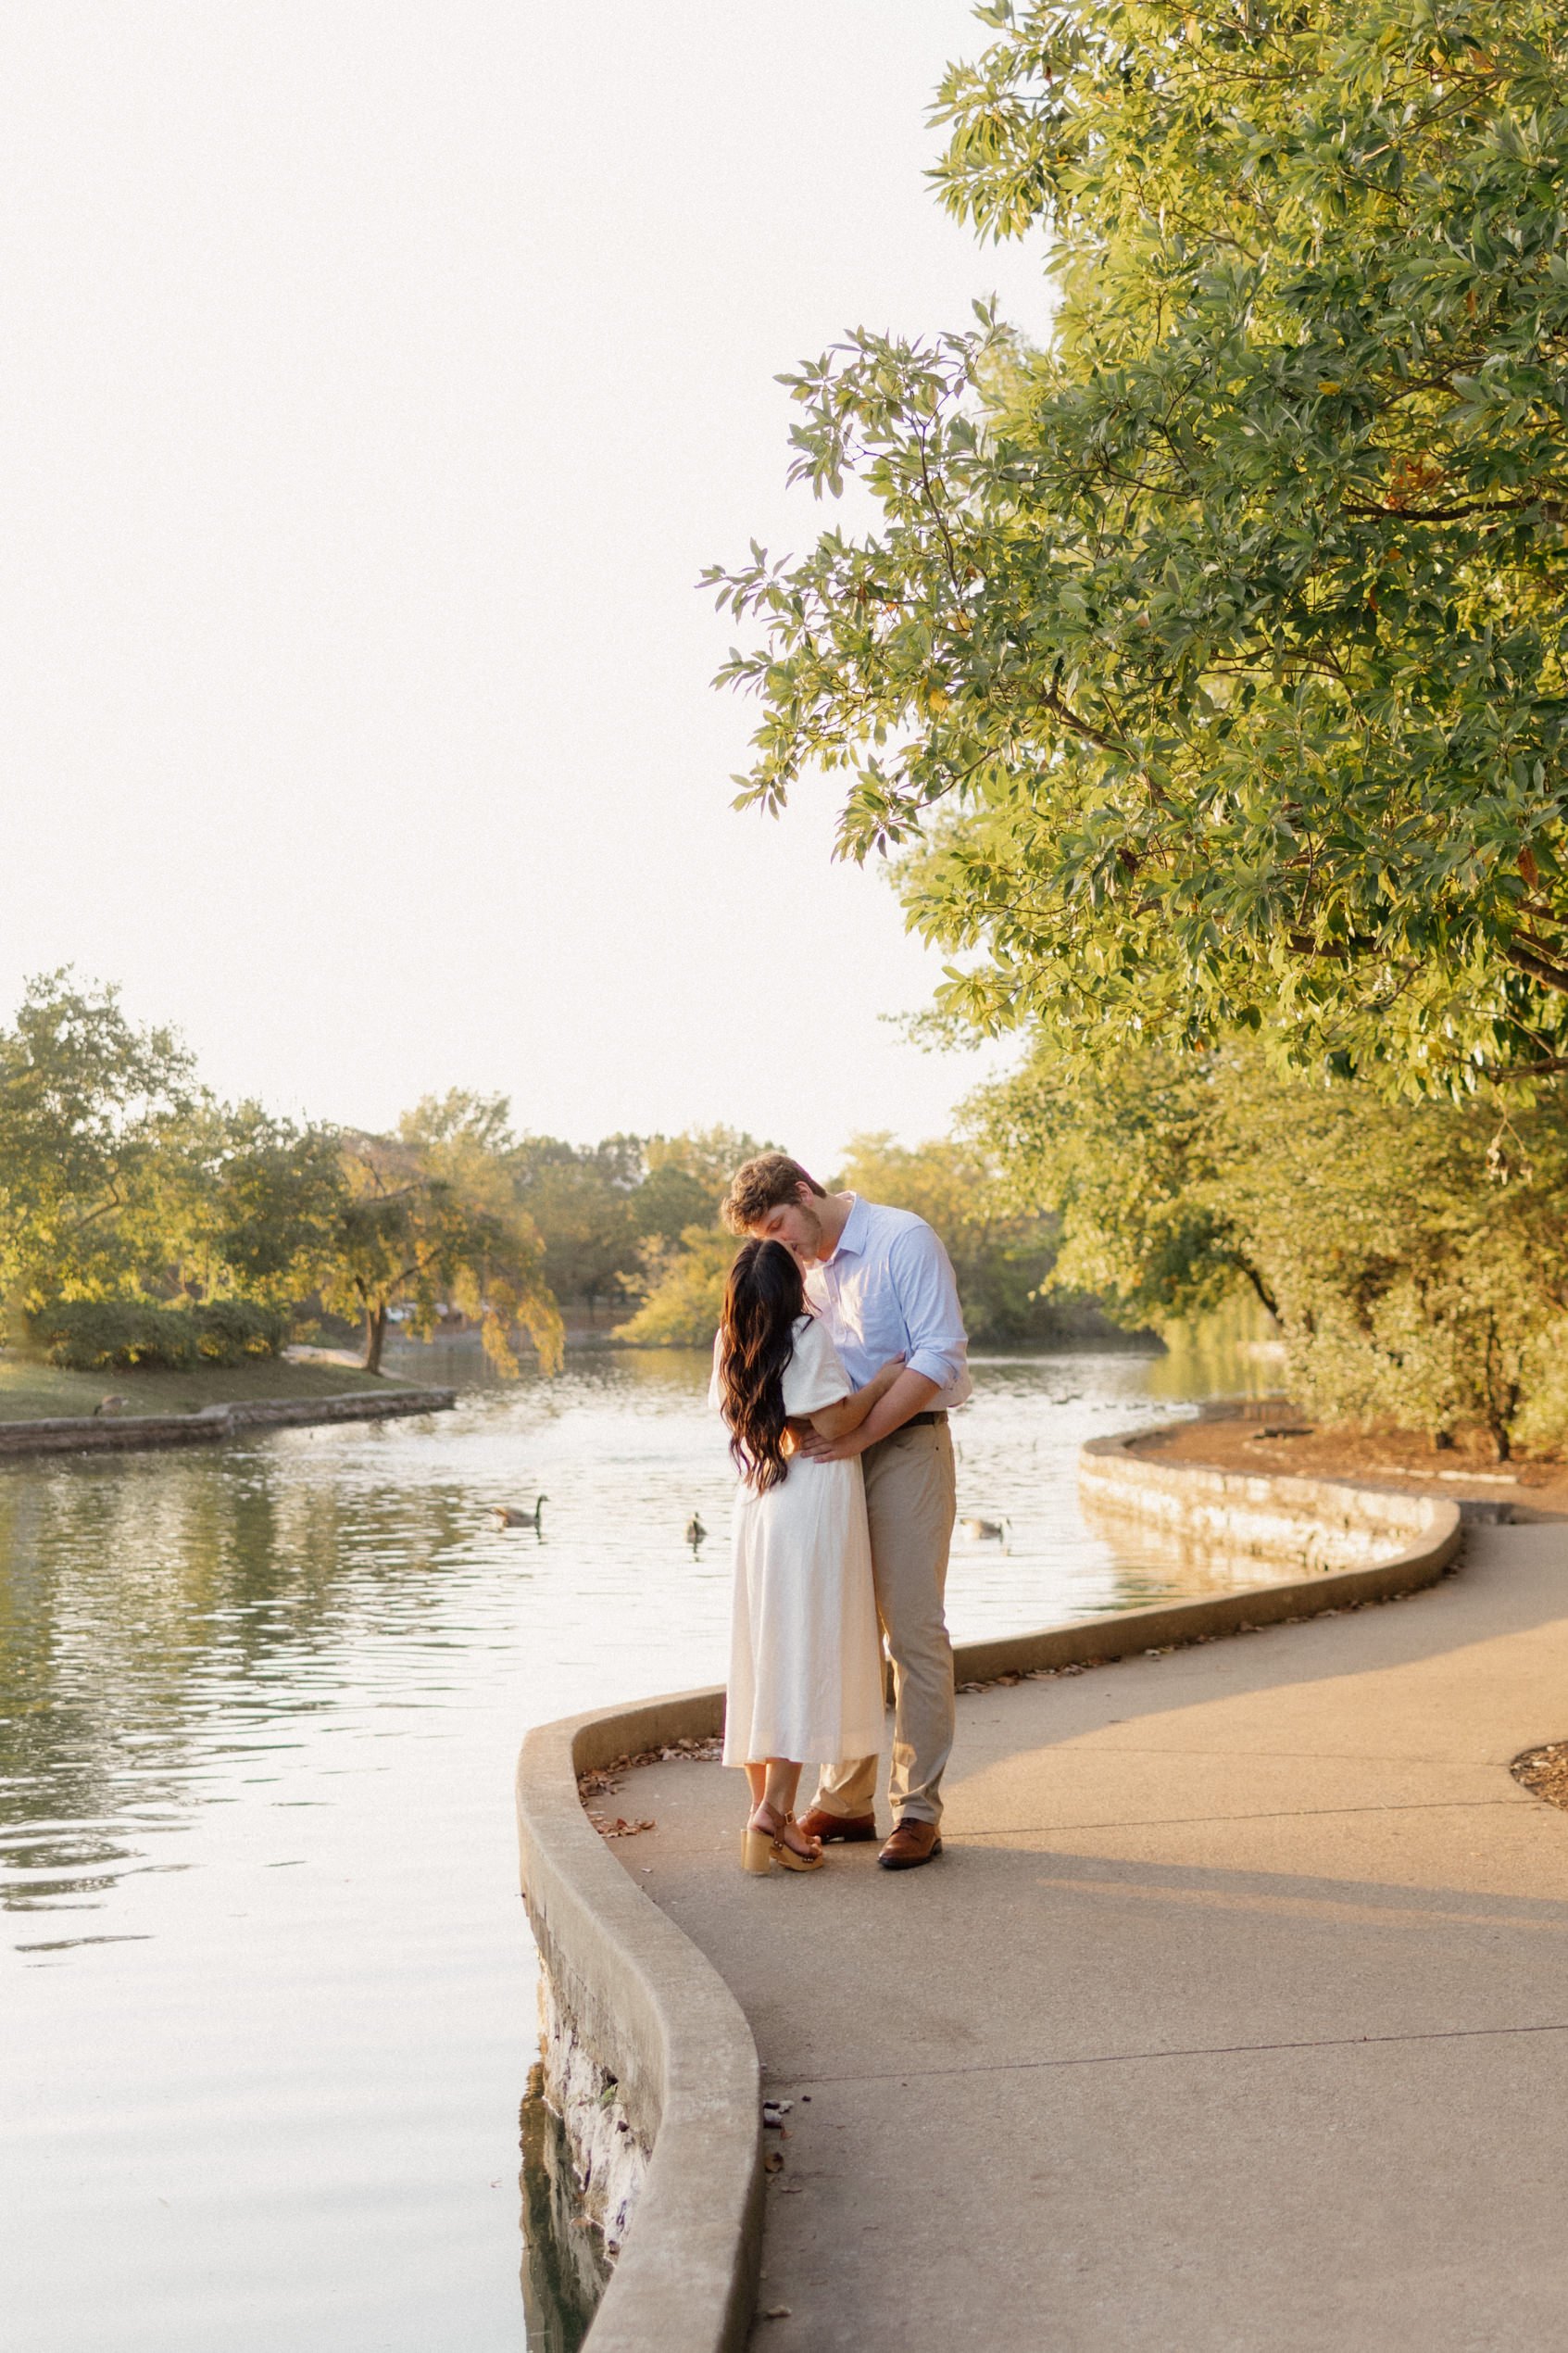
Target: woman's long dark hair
column 762, row 1300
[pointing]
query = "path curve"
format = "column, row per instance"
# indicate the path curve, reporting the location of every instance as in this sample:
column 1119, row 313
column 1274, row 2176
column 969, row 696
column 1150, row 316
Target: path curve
column 1231, row 2020
column 655, row 2005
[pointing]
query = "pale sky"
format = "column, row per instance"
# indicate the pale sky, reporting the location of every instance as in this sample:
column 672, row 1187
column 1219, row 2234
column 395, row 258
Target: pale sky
column 375, row 380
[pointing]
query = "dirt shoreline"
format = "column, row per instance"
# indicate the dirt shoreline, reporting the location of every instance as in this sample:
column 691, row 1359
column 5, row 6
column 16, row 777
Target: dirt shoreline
column 1272, row 1438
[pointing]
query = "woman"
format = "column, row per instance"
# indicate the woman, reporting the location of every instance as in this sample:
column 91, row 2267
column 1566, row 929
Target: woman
column 805, row 1652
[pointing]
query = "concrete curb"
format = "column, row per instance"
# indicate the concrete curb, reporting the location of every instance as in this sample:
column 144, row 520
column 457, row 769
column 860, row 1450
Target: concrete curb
column 662, row 2022
column 87, row 1433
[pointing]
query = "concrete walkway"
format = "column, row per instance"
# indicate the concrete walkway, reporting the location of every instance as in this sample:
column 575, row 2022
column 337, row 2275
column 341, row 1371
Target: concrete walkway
column 1233, row 2015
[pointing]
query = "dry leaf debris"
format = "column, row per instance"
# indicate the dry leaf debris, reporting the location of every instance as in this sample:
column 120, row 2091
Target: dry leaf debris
column 1544, row 1771
column 603, row 1780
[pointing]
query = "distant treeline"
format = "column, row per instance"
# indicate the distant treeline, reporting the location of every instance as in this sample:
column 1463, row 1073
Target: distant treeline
column 1002, row 1256
column 1412, row 1256
column 134, row 1205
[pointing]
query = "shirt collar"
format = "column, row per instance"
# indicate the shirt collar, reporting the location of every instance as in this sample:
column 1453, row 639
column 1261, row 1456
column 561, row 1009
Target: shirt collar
column 852, row 1240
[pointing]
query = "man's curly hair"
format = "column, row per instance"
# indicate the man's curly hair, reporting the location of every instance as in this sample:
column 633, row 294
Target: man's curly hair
column 761, row 1185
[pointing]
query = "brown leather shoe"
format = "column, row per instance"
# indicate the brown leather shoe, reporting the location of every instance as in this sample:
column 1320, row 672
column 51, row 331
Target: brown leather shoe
column 850, row 1828
column 911, row 1844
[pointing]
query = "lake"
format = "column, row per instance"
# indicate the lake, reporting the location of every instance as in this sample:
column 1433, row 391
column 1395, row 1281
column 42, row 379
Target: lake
column 268, row 2007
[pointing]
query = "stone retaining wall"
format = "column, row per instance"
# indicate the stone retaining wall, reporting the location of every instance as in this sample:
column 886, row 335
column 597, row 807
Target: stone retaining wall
column 111, row 1433
column 1313, row 1524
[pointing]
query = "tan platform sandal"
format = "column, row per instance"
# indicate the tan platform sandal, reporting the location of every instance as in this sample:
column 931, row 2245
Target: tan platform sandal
column 761, row 1849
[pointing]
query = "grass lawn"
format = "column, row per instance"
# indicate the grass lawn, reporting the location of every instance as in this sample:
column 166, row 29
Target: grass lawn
column 32, row 1391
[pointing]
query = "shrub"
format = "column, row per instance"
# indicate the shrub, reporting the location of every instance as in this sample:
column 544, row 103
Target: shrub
column 227, row 1330
column 93, row 1335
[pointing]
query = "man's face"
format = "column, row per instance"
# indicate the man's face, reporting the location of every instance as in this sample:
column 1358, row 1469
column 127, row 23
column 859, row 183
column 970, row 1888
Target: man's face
column 794, row 1224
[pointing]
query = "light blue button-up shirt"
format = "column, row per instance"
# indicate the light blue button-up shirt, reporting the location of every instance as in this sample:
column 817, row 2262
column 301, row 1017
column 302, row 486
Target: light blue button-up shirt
column 888, row 1290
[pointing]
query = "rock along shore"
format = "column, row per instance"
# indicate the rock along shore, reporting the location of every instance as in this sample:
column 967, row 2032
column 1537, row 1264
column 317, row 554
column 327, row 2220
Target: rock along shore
column 80, row 1433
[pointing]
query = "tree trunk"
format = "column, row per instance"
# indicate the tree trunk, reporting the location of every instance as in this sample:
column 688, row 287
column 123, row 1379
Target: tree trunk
column 375, row 1337
column 1265, row 1296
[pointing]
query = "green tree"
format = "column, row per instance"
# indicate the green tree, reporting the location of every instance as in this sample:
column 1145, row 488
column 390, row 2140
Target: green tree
column 1415, row 1256
column 671, row 1198
column 685, row 1292
column 1207, row 666
column 686, row 1178
column 278, row 1198
column 87, row 1102
column 612, row 1214
column 431, row 1216
column 685, row 1253
column 231, row 1201
column 582, row 1199
column 708, row 1156
column 1131, row 1160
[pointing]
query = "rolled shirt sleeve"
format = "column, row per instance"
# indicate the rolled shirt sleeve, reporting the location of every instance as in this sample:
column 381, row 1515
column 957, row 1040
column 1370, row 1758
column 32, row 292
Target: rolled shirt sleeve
column 888, row 1290
column 923, row 1275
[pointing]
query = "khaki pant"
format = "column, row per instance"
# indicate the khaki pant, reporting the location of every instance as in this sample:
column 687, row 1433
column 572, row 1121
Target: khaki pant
column 910, row 1501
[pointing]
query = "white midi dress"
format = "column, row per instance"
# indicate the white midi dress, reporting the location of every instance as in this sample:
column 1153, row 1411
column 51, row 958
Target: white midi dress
column 805, row 1650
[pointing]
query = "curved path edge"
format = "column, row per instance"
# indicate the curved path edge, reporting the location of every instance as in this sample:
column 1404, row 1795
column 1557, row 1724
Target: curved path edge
column 655, row 2013
column 660, row 2020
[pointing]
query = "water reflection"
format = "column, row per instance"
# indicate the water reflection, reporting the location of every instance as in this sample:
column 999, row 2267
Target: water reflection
column 268, row 2005
column 564, row 2264
column 151, row 1602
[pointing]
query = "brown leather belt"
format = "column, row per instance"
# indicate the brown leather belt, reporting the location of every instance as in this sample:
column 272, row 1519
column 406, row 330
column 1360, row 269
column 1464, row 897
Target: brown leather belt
column 918, row 1421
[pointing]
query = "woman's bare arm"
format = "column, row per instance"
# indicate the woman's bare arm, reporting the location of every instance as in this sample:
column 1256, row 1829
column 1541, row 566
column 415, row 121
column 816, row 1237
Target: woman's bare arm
column 839, row 1420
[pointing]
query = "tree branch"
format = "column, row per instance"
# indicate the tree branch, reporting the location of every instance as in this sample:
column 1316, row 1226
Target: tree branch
column 1265, row 1295
column 1549, row 502
column 1551, row 975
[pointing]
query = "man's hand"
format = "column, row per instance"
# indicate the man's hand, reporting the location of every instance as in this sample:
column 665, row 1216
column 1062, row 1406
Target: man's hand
column 910, row 1393
column 835, row 1450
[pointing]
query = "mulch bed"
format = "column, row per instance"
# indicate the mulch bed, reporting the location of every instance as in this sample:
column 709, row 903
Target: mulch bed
column 1283, row 1440
column 1544, row 1772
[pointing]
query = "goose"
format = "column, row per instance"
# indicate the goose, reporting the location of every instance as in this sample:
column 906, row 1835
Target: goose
column 110, row 1405
column 510, row 1516
column 695, row 1530
column 986, row 1531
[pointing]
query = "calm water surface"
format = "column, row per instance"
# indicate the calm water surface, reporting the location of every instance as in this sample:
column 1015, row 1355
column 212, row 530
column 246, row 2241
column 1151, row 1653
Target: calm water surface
column 269, row 2003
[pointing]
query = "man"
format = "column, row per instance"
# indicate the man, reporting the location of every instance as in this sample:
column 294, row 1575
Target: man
column 883, row 1285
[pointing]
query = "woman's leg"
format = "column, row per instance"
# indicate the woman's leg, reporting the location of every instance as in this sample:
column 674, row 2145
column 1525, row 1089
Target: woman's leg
column 756, row 1781
column 778, row 1789
column 781, row 1779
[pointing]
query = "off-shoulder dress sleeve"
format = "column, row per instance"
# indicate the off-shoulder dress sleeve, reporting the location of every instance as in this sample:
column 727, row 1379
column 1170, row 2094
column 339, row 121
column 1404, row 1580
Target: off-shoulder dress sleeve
column 813, row 1377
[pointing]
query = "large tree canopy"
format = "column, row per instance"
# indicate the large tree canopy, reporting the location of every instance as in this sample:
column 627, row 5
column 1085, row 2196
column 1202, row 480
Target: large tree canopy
column 1208, row 667
column 1415, row 1256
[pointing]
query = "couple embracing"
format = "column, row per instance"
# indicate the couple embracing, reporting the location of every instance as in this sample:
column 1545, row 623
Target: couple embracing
column 840, row 1351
